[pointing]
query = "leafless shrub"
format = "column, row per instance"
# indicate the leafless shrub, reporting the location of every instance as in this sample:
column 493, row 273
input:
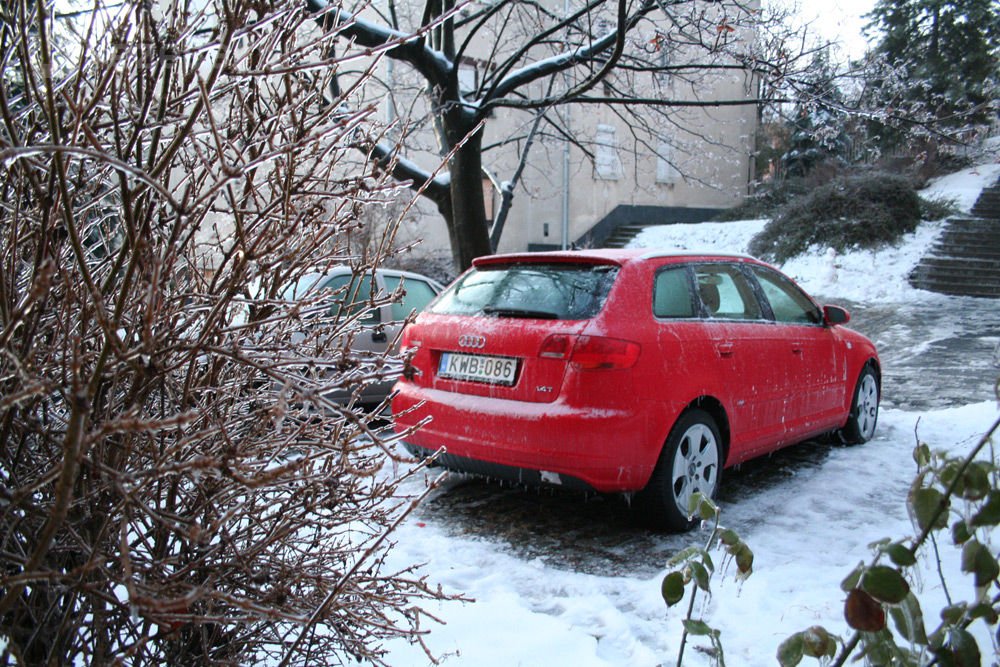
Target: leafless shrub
column 174, row 486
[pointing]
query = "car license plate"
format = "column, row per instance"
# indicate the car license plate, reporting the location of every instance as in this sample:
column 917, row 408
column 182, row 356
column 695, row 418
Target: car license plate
column 478, row 368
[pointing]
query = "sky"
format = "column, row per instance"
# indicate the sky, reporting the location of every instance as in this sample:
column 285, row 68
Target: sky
column 835, row 20
column 808, row 527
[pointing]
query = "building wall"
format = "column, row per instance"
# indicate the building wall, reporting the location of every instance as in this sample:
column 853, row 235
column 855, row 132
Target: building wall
column 704, row 163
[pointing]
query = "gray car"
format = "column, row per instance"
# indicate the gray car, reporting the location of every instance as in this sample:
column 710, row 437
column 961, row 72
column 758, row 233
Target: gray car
column 379, row 326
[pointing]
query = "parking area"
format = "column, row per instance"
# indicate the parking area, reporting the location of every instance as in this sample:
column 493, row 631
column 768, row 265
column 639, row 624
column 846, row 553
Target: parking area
column 937, row 352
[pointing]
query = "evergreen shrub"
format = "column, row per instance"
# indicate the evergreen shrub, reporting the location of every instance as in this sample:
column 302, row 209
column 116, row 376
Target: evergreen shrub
column 859, row 211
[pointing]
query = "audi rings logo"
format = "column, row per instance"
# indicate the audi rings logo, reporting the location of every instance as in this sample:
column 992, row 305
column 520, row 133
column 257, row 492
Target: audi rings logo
column 473, row 341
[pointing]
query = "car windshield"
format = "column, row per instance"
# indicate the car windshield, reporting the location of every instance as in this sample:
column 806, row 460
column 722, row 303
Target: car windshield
column 538, row 291
column 300, row 287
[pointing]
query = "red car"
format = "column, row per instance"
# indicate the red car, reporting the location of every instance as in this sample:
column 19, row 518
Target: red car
column 629, row 371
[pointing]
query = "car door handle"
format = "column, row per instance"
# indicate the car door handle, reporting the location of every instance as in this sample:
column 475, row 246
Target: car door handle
column 725, row 349
column 796, row 348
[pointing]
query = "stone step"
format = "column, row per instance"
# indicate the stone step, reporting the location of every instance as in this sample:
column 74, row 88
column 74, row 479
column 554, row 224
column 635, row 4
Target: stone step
column 988, row 203
column 976, row 251
column 970, row 284
column 623, row 235
column 960, row 289
column 983, row 264
column 974, row 223
column 969, row 241
column 965, row 259
column 970, row 236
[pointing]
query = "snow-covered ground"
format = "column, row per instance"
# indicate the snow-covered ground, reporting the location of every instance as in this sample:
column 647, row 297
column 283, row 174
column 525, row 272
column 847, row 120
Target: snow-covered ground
column 808, row 530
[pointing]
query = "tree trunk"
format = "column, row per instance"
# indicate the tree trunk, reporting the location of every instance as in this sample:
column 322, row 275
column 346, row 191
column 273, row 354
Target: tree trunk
column 467, row 225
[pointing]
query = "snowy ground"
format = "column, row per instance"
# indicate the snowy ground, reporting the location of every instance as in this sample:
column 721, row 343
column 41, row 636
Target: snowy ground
column 808, row 526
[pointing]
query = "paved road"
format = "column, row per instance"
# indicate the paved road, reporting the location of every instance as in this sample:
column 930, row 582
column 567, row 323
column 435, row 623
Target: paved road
column 936, row 352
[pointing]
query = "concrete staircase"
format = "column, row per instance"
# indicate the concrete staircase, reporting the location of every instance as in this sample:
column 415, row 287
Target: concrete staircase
column 965, row 260
column 622, row 236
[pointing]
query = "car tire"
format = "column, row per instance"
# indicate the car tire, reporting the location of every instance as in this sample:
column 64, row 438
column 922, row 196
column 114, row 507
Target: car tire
column 691, row 461
column 863, row 418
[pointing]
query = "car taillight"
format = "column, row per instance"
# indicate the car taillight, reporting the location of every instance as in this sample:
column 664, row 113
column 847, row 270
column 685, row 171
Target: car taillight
column 406, row 340
column 556, row 346
column 407, row 349
column 591, row 352
column 597, row 352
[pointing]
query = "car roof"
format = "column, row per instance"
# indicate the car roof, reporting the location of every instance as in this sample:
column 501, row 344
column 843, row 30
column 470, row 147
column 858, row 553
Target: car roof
column 307, row 281
column 617, row 256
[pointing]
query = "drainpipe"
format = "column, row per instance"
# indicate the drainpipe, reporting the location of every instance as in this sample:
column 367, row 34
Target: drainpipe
column 565, row 168
column 565, row 196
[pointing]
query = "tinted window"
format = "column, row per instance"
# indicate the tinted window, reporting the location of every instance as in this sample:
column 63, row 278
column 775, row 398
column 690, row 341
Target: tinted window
column 353, row 292
column 300, row 287
column 672, row 293
column 725, row 293
column 547, row 291
column 788, row 302
column 416, row 295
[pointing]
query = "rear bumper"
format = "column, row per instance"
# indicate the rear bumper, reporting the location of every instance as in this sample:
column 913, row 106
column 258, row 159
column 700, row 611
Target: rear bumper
column 608, row 450
column 498, row 471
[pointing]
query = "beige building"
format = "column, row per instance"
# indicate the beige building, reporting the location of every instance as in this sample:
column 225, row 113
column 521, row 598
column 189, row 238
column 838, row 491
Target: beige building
column 679, row 164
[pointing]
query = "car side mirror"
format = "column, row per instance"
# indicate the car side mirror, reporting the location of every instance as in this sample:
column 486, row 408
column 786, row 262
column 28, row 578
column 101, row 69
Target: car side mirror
column 835, row 315
column 378, row 336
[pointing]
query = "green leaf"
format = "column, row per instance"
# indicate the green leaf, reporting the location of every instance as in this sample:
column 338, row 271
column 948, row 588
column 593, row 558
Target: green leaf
column 700, row 575
column 900, row 555
column 878, row 649
column 976, row 481
column 925, row 503
column 851, row 581
column 684, row 555
column 707, row 561
column 672, row 588
column 791, row 651
column 985, row 611
column 922, row 455
column 698, row 628
column 885, row 584
column 964, row 648
column 978, row 560
column 729, row 537
column 989, row 513
column 949, row 473
column 702, row 507
column 818, row 643
column 909, row 620
column 953, row 614
column 960, row 533
column 744, row 559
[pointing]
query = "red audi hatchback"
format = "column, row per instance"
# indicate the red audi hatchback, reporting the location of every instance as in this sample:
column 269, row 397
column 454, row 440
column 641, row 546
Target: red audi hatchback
column 628, row 371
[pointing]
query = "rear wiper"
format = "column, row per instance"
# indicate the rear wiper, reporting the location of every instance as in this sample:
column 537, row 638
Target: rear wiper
column 520, row 312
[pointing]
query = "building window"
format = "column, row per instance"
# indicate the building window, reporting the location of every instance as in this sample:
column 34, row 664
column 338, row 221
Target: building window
column 607, row 163
column 666, row 170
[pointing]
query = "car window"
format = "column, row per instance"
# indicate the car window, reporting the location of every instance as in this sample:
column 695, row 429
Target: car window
column 672, row 293
column 354, row 292
column 725, row 292
column 300, row 287
column 416, row 295
column 547, row 291
column 788, row 302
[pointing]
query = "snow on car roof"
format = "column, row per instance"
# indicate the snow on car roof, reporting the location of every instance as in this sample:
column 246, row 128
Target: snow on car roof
column 602, row 256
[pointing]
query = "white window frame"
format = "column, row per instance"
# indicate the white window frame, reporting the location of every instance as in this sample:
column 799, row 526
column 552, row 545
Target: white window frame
column 666, row 171
column 607, row 162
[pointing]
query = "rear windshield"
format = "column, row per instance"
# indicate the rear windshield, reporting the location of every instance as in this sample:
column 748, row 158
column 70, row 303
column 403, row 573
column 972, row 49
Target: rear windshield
column 538, row 291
